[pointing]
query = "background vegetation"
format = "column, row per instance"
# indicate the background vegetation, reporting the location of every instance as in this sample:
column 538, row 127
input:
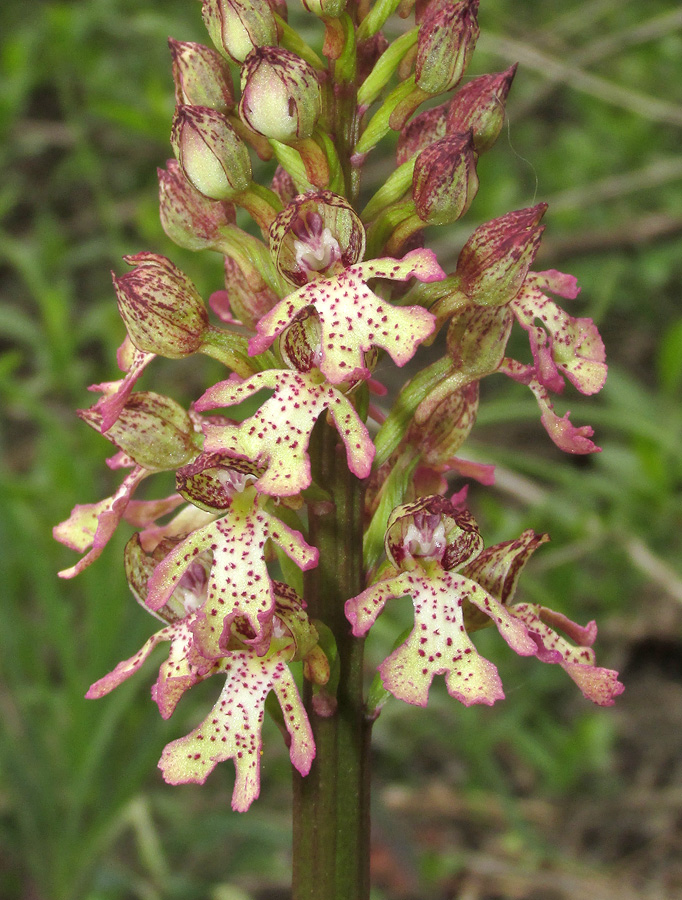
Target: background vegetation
column 539, row 797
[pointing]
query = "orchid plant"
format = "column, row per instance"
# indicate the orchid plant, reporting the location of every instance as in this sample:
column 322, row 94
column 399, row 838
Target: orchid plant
column 293, row 524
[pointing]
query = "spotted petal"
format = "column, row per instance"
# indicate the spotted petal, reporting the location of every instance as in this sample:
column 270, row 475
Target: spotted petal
column 568, row 437
column 562, row 345
column 277, row 436
column 116, row 393
column 239, row 583
column 438, row 643
column 353, row 319
column 183, row 668
column 599, row 685
column 93, row 524
column 232, row 730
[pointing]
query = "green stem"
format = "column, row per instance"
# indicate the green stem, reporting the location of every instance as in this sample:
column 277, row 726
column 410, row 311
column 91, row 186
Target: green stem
column 331, row 804
column 261, row 203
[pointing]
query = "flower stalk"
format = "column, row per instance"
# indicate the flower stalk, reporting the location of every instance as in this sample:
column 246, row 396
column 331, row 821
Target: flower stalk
column 305, row 500
column 331, row 805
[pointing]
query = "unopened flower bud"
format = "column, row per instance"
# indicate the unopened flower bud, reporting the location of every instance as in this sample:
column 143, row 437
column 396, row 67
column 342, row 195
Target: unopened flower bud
column 479, row 107
column 445, row 180
column 160, row 307
column 317, row 232
column 477, row 339
column 300, row 343
column 283, row 185
column 281, row 97
column 189, row 218
column 248, row 295
column 153, row 430
column 494, row 262
column 212, row 155
column 201, row 76
column 448, row 426
column 447, row 37
column 425, row 129
column 237, row 26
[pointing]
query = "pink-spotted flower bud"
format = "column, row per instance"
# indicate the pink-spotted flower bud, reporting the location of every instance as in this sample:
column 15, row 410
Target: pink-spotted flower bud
column 237, row 26
column 477, row 339
column 476, row 342
column 447, row 428
column 445, row 180
column 153, row 430
column 160, row 307
column 201, row 76
column 212, row 155
column 247, row 295
column 447, row 37
column 431, row 529
column 189, row 218
column 300, row 343
column 479, row 107
column 494, row 262
column 281, row 97
column 283, row 185
column 316, row 233
column 425, row 129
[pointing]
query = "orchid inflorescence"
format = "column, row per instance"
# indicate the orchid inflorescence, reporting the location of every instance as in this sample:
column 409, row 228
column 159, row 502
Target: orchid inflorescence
column 307, row 313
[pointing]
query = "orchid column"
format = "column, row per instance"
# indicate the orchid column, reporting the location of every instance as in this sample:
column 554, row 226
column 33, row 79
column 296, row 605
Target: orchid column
column 292, row 525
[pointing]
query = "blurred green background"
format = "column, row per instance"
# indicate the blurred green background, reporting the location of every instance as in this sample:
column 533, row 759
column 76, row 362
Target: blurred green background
column 541, row 797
